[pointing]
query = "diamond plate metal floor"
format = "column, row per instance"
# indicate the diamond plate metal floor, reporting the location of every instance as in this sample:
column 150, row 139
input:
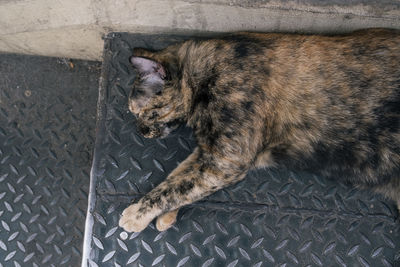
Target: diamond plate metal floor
column 272, row 218
column 47, row 121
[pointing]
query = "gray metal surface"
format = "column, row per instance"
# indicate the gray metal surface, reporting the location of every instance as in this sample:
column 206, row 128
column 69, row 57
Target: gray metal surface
column 47, row 121
column 272, row 218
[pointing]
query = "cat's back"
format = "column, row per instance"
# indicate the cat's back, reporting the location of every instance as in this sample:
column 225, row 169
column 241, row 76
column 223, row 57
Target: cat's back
column 278, row 56
column 329, row 102
column 339, row 101
column 369, row 46
column 368, row 38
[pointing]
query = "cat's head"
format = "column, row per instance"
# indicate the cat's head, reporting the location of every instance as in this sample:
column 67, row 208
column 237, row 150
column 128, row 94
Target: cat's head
column 153, row 99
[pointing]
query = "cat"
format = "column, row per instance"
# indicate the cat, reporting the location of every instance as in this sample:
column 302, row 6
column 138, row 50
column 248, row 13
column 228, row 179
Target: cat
column 328, row 104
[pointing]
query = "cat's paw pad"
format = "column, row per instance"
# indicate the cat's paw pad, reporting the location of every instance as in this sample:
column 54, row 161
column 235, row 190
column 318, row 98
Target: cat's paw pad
column 131, row 222
column 166, row 220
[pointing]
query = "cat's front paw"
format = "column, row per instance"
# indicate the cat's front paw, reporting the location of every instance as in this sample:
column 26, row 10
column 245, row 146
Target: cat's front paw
column 132, row 220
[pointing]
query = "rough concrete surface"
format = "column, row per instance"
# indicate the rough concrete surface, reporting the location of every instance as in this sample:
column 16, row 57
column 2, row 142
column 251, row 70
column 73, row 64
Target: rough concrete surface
column 75, row 28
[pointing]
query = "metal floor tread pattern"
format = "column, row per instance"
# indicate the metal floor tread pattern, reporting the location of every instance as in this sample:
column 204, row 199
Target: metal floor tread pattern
column 271, row 218
column 47, row 123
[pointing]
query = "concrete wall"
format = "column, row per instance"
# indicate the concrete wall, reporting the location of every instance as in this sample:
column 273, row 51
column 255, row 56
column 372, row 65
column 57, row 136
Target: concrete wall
column 74, row 28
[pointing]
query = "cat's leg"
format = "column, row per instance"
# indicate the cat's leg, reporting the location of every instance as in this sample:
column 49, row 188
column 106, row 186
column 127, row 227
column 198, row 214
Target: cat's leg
column 264, row 159
column 166, row 220
column 398, row 206
column 196, row 177
column 391, row 191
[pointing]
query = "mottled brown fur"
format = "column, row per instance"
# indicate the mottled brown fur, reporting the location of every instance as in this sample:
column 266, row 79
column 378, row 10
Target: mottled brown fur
column 329, row 104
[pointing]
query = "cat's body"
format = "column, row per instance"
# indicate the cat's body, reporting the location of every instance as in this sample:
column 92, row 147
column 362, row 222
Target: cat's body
column 330, row 104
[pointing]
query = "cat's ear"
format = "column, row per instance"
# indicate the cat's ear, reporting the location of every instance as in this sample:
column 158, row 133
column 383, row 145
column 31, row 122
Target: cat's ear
column 147, row 66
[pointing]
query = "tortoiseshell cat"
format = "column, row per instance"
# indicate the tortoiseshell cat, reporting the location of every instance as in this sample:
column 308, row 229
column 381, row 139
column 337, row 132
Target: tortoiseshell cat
column 329, row 104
